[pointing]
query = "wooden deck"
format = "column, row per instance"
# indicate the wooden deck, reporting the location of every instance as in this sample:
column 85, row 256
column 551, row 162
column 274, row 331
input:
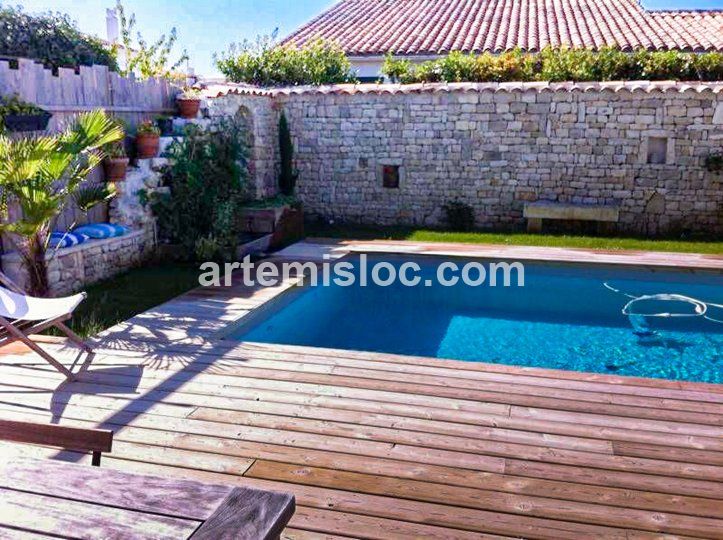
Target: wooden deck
column 384, row 446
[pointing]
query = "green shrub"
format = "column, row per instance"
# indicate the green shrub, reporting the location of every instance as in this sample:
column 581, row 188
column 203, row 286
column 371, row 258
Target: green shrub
column 708, row 67
column 558, row 64
column 51, row 38
column 563, row 64
column 207, row 185
column 511, row 66
column 265, row 63
column 610, row 64
column 457, row 66
column 399, row 70
column 460, row 216
column 663, row 66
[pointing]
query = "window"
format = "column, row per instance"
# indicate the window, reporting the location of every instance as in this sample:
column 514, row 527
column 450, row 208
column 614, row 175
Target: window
column 657, row 150
column 363, row 162
column 390, row 176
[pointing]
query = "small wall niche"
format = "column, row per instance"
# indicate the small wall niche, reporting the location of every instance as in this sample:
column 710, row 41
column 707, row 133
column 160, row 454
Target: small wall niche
column 391, row 175
column 657, row 150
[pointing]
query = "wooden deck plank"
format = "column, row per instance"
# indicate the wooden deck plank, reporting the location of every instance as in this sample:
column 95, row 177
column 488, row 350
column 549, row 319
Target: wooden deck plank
column 419, row 515
column 489, row 500
column 187, row 451
column 300, row 534
column 706, row 424
column 230, row 365
column 364, row 411
column 310, row 495
column 256, row 355
column 410, row 445
column 429, row 456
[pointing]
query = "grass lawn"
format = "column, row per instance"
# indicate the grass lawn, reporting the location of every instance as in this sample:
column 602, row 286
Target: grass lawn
column 115, row 300
column 714, row 246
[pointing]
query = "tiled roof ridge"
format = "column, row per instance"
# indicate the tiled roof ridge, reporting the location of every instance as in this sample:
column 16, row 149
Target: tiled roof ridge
column 215, row 91
column 685, row 11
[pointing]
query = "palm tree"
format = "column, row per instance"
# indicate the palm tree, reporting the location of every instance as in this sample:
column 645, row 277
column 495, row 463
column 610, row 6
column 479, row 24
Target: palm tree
column 42, row 175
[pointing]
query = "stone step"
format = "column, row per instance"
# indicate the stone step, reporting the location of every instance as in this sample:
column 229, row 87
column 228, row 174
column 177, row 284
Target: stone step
column 158, row 163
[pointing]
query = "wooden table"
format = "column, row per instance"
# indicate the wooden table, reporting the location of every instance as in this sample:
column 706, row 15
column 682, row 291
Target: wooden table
column 52, row 498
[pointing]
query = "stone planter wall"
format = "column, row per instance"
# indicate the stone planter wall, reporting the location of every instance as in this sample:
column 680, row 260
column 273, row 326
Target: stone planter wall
column 71, row 269
column 639, row 146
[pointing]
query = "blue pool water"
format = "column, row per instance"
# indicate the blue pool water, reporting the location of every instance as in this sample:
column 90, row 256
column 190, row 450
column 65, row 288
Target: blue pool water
column 563, row 318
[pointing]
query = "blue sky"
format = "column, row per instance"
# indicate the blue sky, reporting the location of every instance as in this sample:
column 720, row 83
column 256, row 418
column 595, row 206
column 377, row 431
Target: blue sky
column 207, row 26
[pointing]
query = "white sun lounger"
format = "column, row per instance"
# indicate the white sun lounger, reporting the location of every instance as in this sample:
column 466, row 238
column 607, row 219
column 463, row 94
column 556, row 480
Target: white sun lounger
column 22, row 316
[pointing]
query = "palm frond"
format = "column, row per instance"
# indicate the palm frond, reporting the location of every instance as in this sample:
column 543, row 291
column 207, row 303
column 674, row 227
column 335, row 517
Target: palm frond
column 23, row 159
column 87, row 197
column 90, row 131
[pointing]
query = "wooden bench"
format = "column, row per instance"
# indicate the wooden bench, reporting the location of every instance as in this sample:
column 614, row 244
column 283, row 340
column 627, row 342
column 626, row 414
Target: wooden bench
column 536, row 211
column 68, row 438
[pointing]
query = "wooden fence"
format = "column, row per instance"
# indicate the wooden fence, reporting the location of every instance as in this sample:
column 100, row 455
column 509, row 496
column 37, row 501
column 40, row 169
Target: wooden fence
column 69, row 93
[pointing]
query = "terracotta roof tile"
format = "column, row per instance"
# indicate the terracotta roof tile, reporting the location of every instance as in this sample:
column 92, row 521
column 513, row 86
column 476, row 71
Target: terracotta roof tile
column 430, row 27
column 219, row 90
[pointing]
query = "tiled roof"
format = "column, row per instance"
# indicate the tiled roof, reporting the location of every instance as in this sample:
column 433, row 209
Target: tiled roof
column 219, row 90
column 429, row 27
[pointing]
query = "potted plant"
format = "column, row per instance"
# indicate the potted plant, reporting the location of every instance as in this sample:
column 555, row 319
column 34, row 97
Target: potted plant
column 19, row 115
column 115, row 163
column 165, row 124
column 189, row 102
column 147, row 140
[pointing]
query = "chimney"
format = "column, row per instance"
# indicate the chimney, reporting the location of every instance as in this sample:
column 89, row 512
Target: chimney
column 111, row 25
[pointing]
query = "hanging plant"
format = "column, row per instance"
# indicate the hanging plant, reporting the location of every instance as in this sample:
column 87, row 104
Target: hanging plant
column 19, row 115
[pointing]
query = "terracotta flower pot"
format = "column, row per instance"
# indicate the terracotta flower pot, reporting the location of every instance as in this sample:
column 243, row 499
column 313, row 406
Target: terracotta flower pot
column 147, row 145
column 188, row 108
column 115, row 169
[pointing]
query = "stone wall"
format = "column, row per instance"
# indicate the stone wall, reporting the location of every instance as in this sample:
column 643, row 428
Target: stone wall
column 71, row 269
column 639, row 146
column 260, row 114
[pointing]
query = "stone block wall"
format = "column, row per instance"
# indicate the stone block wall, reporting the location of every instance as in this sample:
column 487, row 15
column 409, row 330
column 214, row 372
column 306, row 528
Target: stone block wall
column 639, row 146
column 71, row 269
column 259, row 112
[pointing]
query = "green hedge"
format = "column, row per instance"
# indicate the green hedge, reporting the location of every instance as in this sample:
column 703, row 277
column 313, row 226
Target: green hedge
column 559, row 64
column 267, row 64
column 51, row 38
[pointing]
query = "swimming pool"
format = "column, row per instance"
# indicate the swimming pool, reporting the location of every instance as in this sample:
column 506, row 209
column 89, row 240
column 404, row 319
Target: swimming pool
column 565, row 317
